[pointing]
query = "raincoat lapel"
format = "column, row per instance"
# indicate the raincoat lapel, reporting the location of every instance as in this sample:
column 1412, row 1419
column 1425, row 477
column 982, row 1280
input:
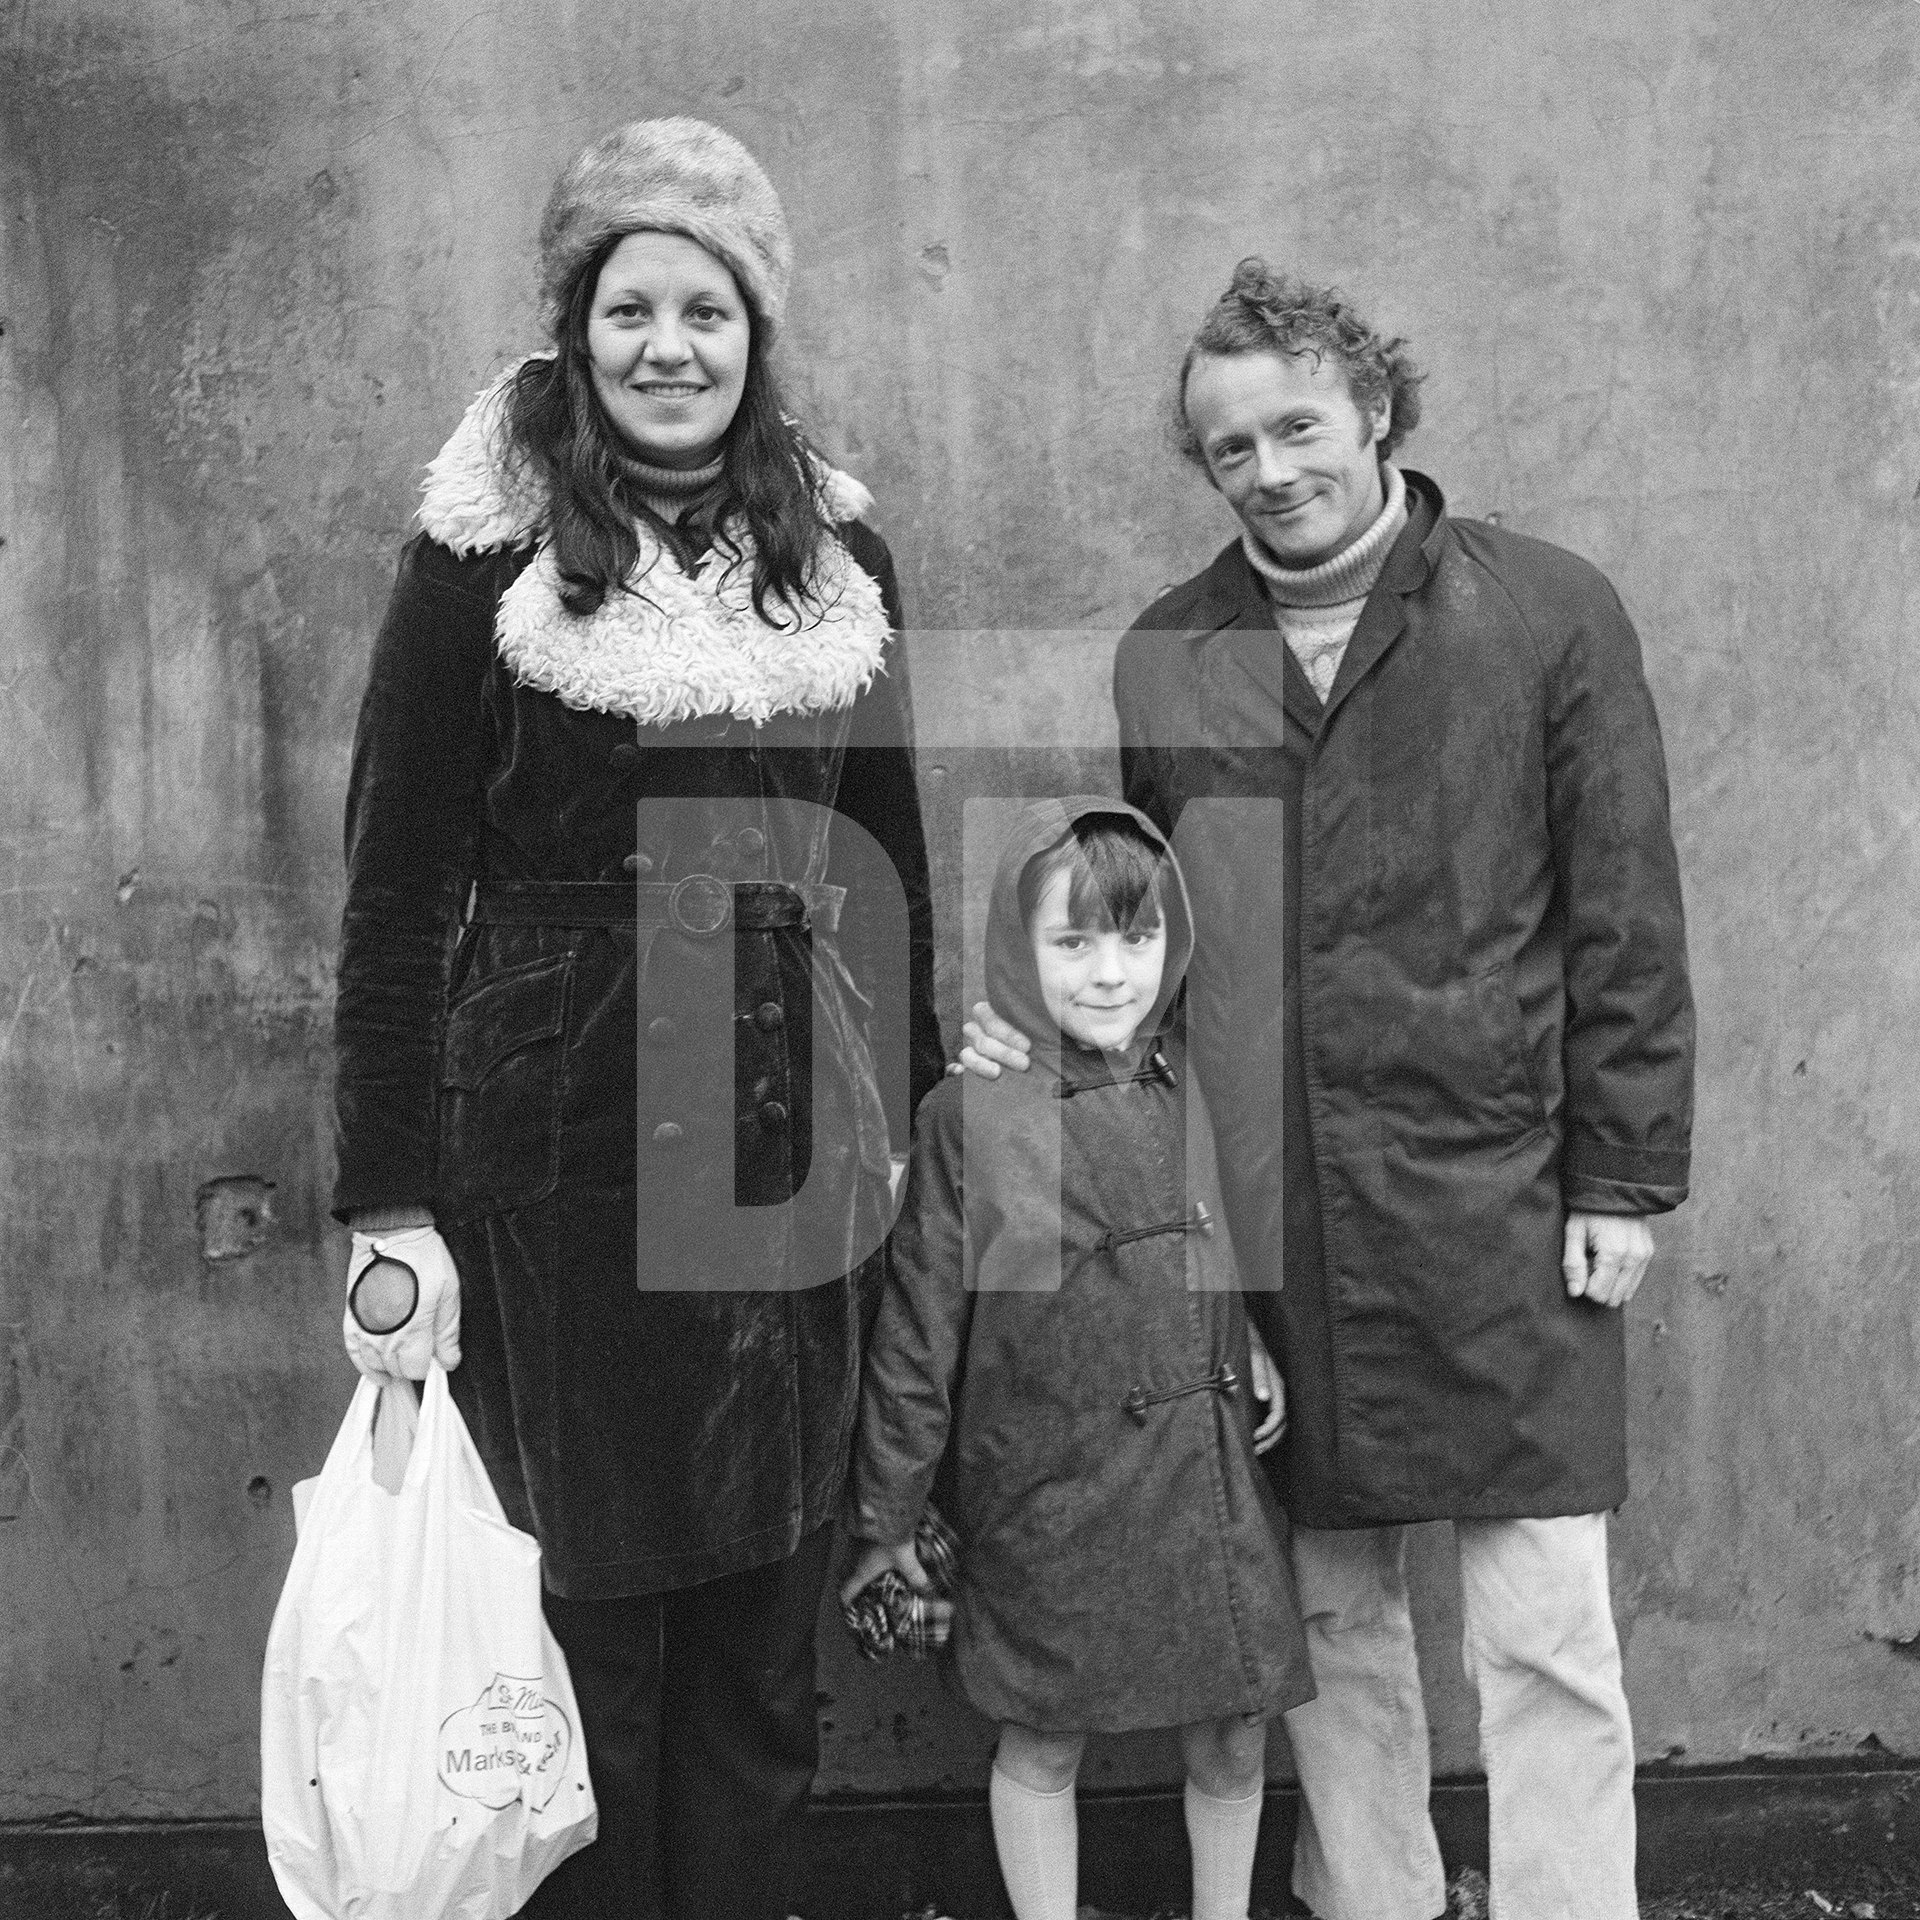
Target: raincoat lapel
column 1384, row 618
column 1249, row 636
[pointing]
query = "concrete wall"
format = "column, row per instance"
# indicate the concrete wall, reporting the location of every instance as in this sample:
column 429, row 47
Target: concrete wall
column 1663, row 260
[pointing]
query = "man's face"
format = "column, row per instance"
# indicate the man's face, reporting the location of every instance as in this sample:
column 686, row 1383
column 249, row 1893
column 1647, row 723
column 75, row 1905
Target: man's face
column 1295, row 458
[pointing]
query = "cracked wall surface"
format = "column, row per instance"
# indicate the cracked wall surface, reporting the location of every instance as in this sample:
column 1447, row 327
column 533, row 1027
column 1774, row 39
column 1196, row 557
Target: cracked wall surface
column 1663, row 264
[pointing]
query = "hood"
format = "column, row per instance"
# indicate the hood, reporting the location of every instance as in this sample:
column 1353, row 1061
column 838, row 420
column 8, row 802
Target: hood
column 1012, row 981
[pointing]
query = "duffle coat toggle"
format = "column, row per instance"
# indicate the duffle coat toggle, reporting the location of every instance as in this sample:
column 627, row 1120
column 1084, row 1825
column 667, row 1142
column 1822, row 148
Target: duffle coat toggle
column 1222, row 1380
column 1154, row 1070
column 1200, row 1221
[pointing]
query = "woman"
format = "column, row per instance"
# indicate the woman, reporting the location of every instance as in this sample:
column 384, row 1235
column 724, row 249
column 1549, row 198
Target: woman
column 599, row 1050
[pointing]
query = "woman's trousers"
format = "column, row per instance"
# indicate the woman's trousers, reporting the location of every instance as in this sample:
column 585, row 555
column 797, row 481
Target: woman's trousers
column 698, row 1711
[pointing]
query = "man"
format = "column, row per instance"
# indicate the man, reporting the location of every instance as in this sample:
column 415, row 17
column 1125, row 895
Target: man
column 1487, row 1067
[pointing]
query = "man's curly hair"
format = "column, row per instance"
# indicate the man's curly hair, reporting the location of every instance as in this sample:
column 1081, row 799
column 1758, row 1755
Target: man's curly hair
column 1268, row 312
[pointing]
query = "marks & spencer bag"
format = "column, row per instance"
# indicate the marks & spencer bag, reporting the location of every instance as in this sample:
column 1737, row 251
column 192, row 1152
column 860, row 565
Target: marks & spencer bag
column 419, row 1744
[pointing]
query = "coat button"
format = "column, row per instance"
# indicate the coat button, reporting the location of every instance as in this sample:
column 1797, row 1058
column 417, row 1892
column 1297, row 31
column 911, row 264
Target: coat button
column 662, row 1032
column 667, row 1132
column 625, row 757
column 769, row 1016
column 750, row 841
column 773, row 1114
column 637, row 863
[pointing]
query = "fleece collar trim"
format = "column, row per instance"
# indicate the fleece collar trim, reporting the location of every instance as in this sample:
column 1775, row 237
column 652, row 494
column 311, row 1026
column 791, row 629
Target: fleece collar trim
column 675, row 645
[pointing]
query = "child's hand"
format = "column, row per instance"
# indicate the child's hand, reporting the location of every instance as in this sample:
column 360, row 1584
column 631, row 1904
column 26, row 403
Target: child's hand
column 875, row 1559
column 1267, row 1386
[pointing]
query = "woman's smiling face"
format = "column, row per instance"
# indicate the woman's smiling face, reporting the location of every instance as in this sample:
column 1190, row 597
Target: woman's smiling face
column 667, row 335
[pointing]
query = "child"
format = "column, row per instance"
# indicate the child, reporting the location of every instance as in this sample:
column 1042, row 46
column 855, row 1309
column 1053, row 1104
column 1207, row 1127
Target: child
column 1064, row 1321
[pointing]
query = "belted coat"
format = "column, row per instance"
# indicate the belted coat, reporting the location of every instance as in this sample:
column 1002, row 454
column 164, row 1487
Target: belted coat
column 636, row 959
column 1062, row 1348
column 1462, row 945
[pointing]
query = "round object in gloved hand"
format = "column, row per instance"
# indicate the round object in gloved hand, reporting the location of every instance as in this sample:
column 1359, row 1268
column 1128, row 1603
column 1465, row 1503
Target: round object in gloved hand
column 429, row 1331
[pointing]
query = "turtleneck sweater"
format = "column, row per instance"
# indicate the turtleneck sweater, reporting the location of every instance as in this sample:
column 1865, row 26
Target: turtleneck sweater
column 670, row 491
column 1317, row 608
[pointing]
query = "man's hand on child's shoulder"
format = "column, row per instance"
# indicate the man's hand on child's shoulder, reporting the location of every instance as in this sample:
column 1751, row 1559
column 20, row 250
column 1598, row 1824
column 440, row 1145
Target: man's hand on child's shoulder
column 991, row 1045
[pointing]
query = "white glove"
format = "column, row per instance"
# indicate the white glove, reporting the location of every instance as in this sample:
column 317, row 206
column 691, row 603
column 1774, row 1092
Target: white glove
column 431, row 1331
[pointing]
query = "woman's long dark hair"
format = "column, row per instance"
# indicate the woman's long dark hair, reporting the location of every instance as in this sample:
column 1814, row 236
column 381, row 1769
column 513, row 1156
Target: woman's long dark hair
column 555, row 423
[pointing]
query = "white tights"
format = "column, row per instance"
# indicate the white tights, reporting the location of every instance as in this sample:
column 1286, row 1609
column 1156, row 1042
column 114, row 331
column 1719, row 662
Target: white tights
column 1036, row 1831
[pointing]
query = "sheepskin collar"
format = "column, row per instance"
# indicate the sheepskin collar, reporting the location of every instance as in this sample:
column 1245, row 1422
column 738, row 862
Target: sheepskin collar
column 677, row 645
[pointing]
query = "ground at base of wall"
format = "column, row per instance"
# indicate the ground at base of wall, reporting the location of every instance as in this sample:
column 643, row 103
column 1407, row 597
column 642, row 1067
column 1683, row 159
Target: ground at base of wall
column 1796, row 1847
column 135, row 1905
column 1874, row 1900
column 1875, row 1894
column 1871, row 1893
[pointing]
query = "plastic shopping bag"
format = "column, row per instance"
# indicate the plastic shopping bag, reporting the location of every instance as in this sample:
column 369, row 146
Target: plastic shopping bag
column 419, row 1744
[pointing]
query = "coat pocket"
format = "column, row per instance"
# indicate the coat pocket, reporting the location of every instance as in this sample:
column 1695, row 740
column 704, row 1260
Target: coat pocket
column 1453, row 1069
column 1519, row 1085
column 501, row 1082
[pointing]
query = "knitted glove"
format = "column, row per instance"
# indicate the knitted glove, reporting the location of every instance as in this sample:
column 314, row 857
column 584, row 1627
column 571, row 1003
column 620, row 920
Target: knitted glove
column 429, row 1330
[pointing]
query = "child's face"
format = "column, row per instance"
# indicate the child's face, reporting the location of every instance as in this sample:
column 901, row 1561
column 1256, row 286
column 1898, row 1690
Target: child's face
column 1098, row 982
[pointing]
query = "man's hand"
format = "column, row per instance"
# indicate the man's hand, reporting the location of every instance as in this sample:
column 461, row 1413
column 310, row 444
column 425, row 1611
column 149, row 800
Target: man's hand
column 1606, row 1256
column 991, row 1045
column 1267, row 1387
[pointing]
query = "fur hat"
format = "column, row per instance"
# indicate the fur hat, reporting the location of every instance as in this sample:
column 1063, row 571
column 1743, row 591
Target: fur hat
column 668, row 176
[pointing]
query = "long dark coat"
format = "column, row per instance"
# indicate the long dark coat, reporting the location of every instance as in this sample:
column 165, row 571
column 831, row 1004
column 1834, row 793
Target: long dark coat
column 1122, row 1556
column 606, row 1125
column 1485, row 1019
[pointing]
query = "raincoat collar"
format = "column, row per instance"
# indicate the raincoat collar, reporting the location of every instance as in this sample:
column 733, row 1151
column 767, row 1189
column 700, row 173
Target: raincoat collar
column 1232, row 601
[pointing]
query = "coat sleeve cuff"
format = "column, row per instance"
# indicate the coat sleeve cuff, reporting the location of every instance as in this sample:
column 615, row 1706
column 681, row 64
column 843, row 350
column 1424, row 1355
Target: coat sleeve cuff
column 368, row 1183
column 1598, row 1178
column 882, row 1521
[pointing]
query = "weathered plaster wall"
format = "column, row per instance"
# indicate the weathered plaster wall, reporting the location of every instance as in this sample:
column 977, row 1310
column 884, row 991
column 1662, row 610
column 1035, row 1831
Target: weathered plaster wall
column 1663, row 261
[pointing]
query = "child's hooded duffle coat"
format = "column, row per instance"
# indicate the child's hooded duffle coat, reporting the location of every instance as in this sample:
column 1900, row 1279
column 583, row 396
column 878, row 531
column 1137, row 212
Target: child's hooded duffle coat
column 1063, row 1343
column 607, row 1006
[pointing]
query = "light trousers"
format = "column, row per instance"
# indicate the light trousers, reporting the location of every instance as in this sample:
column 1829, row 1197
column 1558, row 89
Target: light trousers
column 1542, row 1655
